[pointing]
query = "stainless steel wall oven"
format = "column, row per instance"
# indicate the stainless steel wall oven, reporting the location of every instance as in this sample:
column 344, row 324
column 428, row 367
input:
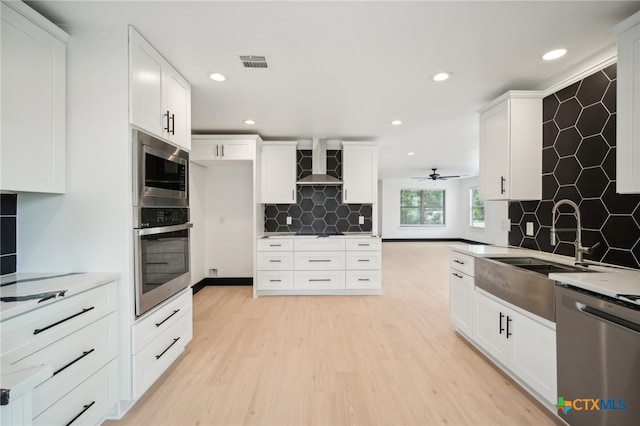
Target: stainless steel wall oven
column 161, row 221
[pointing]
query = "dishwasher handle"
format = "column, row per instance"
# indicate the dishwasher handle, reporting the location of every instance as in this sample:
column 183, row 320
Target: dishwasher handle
column 609, row 317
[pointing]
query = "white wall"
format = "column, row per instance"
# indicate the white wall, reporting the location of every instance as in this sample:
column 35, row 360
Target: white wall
column 390, row 209
column 197, row 202
column 495, row 215
column 228, row 222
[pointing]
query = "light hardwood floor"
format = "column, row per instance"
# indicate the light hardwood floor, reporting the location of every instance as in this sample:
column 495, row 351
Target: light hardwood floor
column 392, row 359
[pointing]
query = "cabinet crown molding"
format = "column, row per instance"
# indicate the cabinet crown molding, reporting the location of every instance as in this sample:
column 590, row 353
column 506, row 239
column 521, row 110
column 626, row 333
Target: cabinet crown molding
column 514, row 94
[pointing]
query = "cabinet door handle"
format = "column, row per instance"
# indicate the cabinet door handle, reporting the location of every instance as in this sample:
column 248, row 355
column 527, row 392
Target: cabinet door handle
column 85, row 353
column 457, row 275
column 84, row 408
column 458, row 261
column 319, row 260
column 345, row 194
column 222, row 150
column 275, row 260
column 502, row 179
column 319, row 279
column 168, row 347
column 364, row 260
column 173, row 124
column 364, row 279
column 275, row 245
column 501, row 329
column 217, row 151
column 40, row 330
column 363, row 244
column 175, row 311
column 167, row 128
column 509, row 323
column 275, row 281
column 293, row 195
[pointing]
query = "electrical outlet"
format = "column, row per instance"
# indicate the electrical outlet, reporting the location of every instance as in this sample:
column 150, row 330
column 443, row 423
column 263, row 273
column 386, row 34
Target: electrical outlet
column 213, row 272
column 530, row 229
column 360, row 220
column 288, row 220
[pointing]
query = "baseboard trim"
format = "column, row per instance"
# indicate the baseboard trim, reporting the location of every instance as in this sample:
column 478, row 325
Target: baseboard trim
column 221, row 281
column 453, row 240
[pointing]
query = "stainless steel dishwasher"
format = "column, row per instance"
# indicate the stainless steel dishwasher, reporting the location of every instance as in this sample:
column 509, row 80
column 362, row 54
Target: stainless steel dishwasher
column 598, row 347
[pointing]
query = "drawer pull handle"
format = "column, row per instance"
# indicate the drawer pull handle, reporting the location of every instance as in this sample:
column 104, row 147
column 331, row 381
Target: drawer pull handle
column 275, row 245
column 168, row 347
column 275, row 281
column 364, row 260
column 84, row 408
column 457, row 275
column 319, row 260
column 85, row 353
column 364, row 279
column 40, row 330
column 319, row 279
column 175, row 311
column 458, row 261
column 363, row 244
column 275, row 260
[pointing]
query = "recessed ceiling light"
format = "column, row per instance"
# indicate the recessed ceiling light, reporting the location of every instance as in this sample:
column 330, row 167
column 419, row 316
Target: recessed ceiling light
column 441, row 76
column 410, row 153
column 554, row 54
column 216, row 76
column 396, row 122
column 249, row 121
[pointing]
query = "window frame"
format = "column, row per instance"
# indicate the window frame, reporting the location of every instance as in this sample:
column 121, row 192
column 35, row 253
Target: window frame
column 472, row 208
column 422, row 207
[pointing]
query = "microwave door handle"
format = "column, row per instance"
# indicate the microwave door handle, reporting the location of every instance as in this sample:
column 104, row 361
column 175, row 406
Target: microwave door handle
column 163, row 229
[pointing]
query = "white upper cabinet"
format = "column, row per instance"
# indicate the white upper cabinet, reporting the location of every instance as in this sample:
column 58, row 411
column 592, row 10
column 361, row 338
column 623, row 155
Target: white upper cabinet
column 359, row 173
column 628, row 106
column 511, row 147
column 33, row 102
column 278, row 173
column 208, row 148
column 160, row 97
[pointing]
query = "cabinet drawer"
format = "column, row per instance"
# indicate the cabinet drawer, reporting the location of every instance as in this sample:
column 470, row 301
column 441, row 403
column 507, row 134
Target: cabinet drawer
column 275, row 244
column 26, row 334
column 319, row 260
column 319, row 280
column 275, row 280
column 155, row 358
column 153, row 324
column 361, row 244
column 87, row 403
column 363, row 279
column 73, row 359
column 363, row 260
column 278, row 261
column 319, row 244
column 462, row 262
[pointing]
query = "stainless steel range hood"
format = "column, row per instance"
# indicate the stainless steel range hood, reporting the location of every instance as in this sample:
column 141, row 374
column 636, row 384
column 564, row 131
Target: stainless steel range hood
column 319, row 174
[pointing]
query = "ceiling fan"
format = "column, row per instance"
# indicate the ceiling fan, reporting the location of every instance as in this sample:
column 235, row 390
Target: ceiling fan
column 435, row 176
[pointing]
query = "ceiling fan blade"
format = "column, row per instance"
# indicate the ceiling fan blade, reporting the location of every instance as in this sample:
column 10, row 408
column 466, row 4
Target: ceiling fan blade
column 449, row 177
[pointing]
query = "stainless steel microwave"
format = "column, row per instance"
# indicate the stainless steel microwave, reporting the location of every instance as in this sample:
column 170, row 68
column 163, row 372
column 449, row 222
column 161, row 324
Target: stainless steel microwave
column 161, row 172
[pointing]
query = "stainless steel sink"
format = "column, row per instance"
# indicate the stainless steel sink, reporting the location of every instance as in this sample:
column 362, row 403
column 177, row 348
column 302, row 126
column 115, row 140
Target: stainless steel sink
column 540, row 265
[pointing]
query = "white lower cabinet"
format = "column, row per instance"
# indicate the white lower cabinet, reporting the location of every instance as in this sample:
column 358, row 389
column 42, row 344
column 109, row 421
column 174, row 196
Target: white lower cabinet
column 78, row 337
column 461, row 289
column 526, row 347
column 158, row 339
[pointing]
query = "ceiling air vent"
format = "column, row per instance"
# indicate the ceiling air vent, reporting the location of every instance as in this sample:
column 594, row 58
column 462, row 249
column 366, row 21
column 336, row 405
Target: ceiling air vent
column 253, row 61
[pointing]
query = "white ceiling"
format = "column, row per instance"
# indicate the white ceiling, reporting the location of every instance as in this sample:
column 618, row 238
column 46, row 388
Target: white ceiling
column 346, row 69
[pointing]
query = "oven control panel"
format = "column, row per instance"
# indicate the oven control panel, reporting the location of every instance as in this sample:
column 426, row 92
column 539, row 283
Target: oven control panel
column 153, row 217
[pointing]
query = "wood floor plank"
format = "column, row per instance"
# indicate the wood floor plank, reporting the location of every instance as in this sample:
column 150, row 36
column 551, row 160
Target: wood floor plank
column 392, row 359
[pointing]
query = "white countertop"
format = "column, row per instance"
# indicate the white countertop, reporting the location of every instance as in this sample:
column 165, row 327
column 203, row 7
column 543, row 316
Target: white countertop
column 608, row 281
column 29, row 284
column 17, row 380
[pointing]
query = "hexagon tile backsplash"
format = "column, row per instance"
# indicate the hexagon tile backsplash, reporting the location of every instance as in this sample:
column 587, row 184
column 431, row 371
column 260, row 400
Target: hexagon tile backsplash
column 579, row 163
column 318, row 209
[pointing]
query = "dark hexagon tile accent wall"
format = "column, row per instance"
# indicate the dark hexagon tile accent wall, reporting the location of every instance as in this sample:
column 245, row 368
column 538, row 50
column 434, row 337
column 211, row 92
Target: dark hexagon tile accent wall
column 578, row 163
column 318, row 209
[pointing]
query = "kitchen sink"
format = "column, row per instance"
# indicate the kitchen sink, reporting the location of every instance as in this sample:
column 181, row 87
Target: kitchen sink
column 540, row 265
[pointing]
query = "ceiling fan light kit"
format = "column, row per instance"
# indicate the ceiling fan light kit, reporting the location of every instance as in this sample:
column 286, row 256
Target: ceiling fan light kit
column 436, row 176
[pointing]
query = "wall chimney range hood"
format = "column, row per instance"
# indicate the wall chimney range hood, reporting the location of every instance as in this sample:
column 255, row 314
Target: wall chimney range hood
column 319, row 174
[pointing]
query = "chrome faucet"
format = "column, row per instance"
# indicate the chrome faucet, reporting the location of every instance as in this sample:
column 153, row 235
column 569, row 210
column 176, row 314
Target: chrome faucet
column 580, row 250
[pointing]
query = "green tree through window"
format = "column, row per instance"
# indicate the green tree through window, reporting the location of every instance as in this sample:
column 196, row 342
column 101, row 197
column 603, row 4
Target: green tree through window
column 422, row 206
column 477, row 208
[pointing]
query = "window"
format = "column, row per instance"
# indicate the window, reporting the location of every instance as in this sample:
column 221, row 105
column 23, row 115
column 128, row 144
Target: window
column 477, row 208
column 422, row 207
